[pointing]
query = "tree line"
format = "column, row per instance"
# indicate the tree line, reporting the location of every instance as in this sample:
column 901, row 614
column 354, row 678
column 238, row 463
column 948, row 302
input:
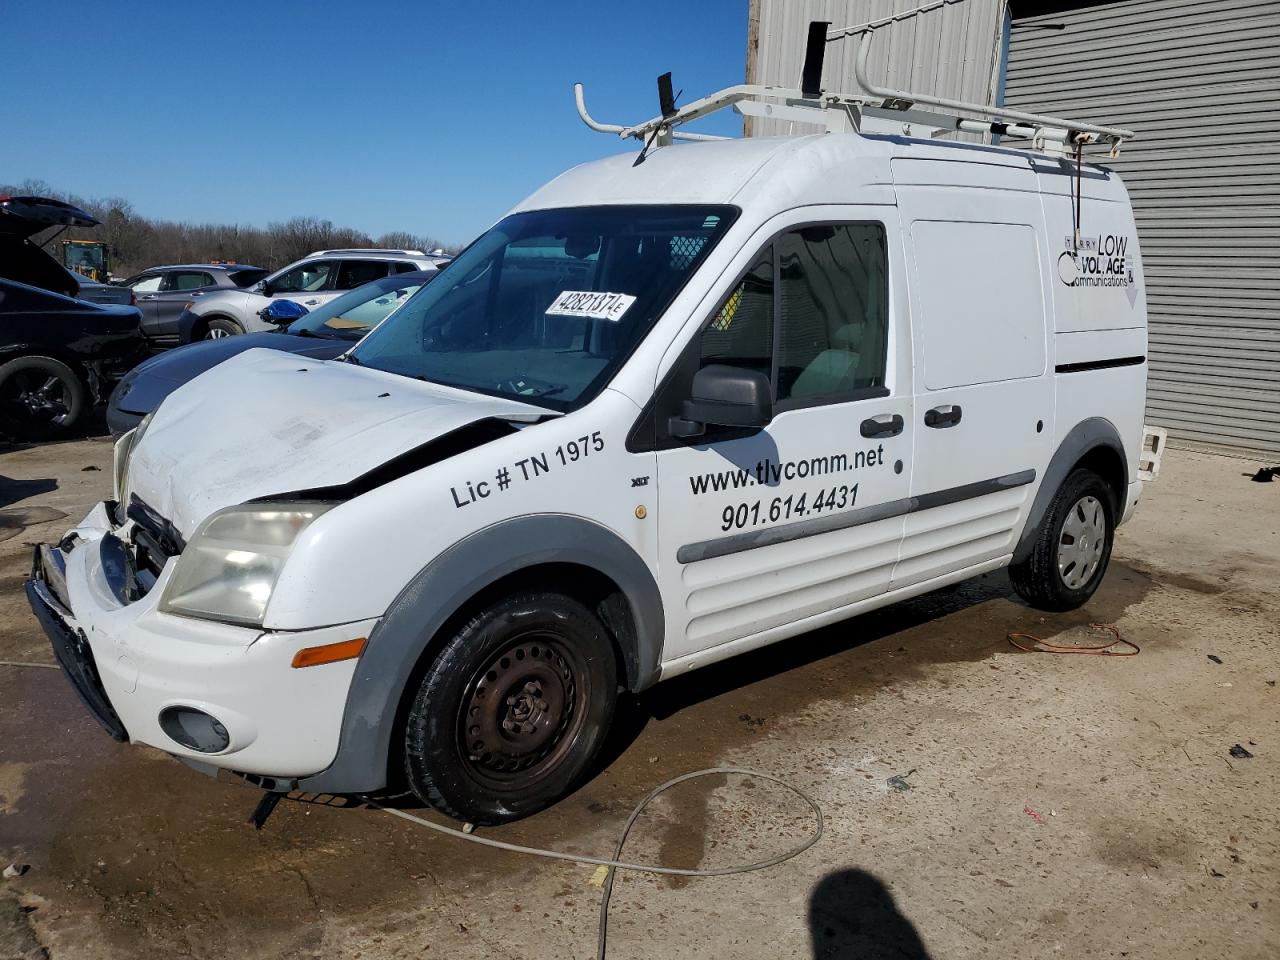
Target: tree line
column 135, row 242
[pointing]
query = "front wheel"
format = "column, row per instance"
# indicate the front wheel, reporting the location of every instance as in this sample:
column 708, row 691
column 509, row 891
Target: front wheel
column 220, row 327
column 40, row 398
column 510, row 714
column 1072, row 547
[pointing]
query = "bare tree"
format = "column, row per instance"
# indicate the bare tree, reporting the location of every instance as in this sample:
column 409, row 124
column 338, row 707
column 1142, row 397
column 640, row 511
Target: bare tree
column 137, row 242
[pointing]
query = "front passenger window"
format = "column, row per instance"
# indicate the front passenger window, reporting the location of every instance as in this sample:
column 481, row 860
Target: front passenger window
column 834, row 319
column 741, row 332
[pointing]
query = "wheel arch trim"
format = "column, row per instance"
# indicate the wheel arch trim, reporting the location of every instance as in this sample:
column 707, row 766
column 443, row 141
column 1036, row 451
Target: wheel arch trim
column 1095, row 433
column 442, row 588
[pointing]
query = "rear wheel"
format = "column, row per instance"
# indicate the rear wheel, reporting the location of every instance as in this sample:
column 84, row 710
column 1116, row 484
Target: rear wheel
column 40, row 398
column 1072, row 547
column 219, row 327
column 511, row 713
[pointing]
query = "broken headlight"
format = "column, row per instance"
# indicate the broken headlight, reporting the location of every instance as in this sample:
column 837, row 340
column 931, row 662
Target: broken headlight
column 230, row 567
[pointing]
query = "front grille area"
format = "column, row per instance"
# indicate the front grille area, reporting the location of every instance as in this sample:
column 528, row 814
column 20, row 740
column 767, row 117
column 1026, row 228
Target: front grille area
column 154, row 539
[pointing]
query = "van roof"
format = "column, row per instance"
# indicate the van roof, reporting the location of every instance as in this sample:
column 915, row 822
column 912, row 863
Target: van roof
column 785, row 172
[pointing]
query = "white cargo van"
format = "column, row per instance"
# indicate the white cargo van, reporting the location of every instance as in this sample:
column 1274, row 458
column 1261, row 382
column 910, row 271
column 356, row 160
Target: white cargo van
column 668, row 410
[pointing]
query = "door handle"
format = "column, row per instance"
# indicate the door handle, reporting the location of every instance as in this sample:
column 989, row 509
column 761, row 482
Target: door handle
column 310, row 303
column 947, row 415
column 882, row 426
column 149, row 296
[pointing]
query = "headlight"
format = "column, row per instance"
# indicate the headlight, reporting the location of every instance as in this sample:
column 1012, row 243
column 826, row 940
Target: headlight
column 230, row 567
column 123, row 454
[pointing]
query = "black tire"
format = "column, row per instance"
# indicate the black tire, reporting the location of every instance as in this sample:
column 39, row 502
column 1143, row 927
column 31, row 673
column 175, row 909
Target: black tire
column 1072, row 547
column 219, row 327
column 40, row 398
column 511, row 713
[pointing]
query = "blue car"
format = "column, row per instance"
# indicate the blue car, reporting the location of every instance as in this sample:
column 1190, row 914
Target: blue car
column 324, row 333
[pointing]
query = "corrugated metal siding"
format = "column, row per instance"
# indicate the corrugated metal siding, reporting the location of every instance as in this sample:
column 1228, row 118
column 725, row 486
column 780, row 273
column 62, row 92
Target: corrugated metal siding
column 1199, row 80
column 950, row 51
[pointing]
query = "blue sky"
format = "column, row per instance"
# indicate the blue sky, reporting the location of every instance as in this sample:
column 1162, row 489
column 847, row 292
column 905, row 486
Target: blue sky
column 431, row 118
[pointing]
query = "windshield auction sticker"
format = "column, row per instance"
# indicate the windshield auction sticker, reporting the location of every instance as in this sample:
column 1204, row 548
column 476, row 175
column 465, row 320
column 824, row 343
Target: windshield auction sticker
column 591, row 305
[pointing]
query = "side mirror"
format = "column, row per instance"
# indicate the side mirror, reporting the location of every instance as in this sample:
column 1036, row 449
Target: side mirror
column 725, row 396
column 282, row 312
column 261, row 288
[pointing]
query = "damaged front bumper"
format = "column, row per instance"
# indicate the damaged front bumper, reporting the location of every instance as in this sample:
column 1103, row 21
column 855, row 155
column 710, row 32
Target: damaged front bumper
column 136, row 669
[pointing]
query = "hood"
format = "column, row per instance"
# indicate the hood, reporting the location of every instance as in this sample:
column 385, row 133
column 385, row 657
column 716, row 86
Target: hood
column 150, row 382
column 265, row 423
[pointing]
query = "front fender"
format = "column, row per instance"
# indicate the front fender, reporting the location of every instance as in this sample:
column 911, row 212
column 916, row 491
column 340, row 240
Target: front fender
column 416, row 616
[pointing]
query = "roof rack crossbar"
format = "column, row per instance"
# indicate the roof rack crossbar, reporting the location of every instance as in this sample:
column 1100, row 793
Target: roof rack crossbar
column 875, row 108
column 622, row 131
column 1073, row 127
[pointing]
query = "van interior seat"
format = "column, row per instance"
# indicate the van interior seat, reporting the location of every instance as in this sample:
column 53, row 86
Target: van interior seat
column 834, row 370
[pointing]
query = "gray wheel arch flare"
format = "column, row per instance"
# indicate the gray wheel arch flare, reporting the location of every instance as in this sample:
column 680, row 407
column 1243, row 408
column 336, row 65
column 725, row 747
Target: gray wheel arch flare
column 440, row 589
column 1084, row 438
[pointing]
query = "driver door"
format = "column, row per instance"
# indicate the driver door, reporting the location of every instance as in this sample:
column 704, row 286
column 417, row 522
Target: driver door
column 760, row 532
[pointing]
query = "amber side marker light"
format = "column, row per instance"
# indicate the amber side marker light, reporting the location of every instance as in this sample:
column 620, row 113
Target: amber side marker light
column 329, row 653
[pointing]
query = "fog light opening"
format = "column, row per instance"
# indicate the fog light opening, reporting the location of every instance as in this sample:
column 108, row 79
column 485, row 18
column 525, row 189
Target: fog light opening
column 194, row 729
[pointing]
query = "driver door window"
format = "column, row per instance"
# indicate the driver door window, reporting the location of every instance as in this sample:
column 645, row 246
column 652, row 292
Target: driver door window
column 309, row 277
column 150, row 284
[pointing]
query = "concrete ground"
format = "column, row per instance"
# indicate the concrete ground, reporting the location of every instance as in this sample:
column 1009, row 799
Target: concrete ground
column 1058, row 806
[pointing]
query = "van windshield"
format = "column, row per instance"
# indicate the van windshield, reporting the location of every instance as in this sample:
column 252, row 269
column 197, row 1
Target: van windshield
column 547, row 304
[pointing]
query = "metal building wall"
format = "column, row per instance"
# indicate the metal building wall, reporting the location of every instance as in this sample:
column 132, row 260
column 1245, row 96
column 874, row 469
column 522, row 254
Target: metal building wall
column 1199, row 81
column 952, row 51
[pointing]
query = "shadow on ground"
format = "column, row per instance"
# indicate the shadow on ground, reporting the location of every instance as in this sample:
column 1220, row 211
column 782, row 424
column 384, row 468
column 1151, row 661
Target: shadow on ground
column 852, row 916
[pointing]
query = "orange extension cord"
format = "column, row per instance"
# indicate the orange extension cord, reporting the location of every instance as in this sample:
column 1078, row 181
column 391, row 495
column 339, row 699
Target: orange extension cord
column 1101, row 650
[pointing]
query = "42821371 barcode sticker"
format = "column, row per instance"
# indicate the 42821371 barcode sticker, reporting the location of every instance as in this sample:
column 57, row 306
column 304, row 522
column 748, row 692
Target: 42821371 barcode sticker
column 591, row 305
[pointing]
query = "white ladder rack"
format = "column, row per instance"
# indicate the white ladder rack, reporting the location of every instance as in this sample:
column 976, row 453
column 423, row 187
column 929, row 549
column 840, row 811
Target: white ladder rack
column 878, row 110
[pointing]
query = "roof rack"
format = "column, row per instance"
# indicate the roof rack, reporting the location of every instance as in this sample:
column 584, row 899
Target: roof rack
column 400, row 253
column 879, row 110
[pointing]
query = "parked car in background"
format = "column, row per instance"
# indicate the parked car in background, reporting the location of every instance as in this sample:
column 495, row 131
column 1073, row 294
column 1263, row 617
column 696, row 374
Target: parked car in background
column 164, row 292
column 311, row 281
column 58, row 354
column 96, row 292
column 324, row 333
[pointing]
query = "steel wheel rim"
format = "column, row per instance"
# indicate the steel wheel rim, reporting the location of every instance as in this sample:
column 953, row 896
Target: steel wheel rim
column 39, row 397
column 1081, row 541
column 522, row 711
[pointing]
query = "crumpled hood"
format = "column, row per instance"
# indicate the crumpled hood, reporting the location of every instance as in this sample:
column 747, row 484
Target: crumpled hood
column 142, row 390
column 264, row 423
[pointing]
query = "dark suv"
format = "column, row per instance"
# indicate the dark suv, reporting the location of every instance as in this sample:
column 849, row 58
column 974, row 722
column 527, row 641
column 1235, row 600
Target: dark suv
column 163, row 292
